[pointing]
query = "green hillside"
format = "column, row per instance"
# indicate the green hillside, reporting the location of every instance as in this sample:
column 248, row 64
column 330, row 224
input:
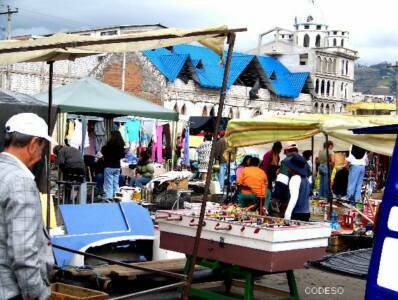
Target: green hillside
column 375, row 79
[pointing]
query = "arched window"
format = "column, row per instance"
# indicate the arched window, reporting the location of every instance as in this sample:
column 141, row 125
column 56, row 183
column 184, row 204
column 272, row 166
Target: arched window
column 342, row 43
column 328, row 89
column 212, row 112
column 321, row 109
column 322, row 87
column 345, row 92
column 342, row 67
column 318, row 41
column 175, row 108
column 316, row 107
column 317, row 86
column 257, row 113
column 346, row 67
column 183, row 110
column 332, row 109
column 342, row 90
column 333, row 89
column 334, row 42
column 231, row 113
column 306, row 41
column 204, row 112
column 327, row 110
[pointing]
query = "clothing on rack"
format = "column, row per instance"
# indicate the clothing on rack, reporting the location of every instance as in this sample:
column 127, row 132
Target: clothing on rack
column 157, row 147
column 148, row 131
column 76, row 140
column 186, row 161
column 123, row 133
column 167, row 140
column 133, row 130
column 100, row 135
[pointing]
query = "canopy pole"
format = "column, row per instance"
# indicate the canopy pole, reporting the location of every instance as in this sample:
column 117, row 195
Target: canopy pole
column 50, row 104
column 312, row 155
column 186, row 290
column 329, row 173
column 228, row 176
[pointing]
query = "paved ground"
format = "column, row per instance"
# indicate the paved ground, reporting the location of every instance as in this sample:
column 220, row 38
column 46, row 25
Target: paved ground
column 312, row 285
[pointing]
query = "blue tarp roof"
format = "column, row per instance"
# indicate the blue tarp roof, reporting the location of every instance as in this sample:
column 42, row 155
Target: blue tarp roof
column 208, row 69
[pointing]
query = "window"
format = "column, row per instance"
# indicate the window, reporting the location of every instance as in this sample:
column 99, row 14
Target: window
column 318, row 27
column 175, row 108
column 322, row 87
column 335, row 32
column 334, row 42
column 306, row 41
column 212, row 112
column 110, row 32
column 231, row 113
column 303, row 59
column 316, row 107
column 346, row 67
column 183, row 110
column 318, row 41
column 204, row 112
column 328, row 89
column 306, row 26
column 342, row 43
column 317, row 86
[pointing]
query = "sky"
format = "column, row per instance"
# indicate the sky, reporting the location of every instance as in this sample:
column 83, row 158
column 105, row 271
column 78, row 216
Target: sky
column 372, row 24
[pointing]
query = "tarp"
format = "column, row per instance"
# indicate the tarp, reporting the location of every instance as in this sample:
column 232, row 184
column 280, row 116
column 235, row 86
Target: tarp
column 12, row 103
column 241, row 133
column 61, row 46
column 370, row 106
column 91, row 96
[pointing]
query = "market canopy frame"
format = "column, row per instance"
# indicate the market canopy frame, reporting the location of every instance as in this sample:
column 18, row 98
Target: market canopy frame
column 243, row 133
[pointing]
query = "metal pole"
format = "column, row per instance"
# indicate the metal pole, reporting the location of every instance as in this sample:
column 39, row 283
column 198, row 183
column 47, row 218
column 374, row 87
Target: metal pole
column 312, row 155
column 228, row 174
column 185, row 291
column 151, row 291
column 50, row 104
column 115, row 262
column 329, row 195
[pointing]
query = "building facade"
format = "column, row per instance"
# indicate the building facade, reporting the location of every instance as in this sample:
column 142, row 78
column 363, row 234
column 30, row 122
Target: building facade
column 312, row 47
column 184, row 78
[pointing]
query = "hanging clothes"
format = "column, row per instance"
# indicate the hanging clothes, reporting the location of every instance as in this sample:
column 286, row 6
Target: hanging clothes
column 133, row 131
column 157, row 147
column 123, row 133
column 147, row 132
column 76, row 140
column 70, row 129
column 100, row 135
column 186, row 161
column 167, row 141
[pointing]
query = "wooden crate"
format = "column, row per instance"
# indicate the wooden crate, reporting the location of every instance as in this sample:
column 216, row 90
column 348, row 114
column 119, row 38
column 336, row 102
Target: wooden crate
column 60, row 291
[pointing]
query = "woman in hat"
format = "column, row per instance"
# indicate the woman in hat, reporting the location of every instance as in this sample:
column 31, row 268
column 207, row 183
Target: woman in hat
column 299, row 188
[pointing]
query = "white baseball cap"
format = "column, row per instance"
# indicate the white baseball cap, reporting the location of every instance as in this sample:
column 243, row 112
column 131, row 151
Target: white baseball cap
column 29, row 124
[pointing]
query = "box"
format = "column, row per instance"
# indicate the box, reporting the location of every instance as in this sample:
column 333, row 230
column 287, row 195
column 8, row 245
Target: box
column 60, row 291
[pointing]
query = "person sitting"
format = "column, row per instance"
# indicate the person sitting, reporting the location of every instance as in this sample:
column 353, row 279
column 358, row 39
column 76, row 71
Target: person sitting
column 298, row 207
column 253, row 183
column 70, row 162
column 144, row 169
column 245, row 163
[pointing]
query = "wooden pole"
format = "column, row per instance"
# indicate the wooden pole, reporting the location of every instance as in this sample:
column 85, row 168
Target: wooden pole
column 50, row 104
column 185, row 291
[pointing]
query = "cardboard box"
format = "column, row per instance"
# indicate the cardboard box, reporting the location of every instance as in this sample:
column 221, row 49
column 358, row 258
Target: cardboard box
column 178, row 184
column 60, row 291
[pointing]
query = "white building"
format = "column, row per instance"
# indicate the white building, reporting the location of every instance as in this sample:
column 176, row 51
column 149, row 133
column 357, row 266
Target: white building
column 312, row 47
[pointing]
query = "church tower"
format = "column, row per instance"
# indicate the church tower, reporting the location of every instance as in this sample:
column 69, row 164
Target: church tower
column 311, row 30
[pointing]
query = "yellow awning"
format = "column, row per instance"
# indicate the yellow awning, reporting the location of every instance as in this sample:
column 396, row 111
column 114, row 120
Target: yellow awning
column 61, row 46
column 243, row 133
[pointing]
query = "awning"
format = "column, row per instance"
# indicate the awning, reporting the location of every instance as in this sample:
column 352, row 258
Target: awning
column 370, row 106
column 61, row 46
column 241, row 133
column 91, row 96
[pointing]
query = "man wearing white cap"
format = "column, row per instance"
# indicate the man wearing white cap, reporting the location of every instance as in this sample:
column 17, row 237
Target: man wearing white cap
column 25, row 252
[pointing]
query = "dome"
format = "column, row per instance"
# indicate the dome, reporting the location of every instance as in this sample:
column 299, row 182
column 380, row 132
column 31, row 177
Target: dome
column 310, row 13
